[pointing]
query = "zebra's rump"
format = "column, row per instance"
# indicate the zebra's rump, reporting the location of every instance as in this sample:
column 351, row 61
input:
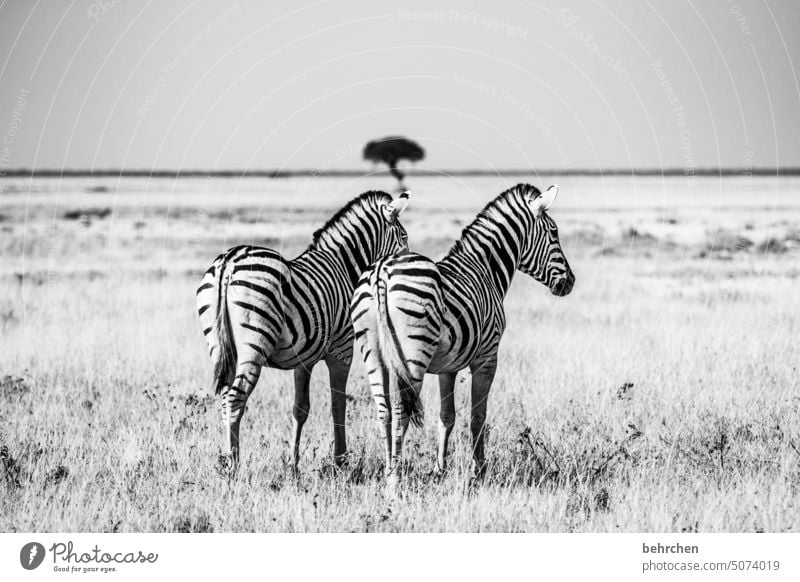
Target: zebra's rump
column 282, row 313
column 397, row 313
column 409, row 281
column 244, row 285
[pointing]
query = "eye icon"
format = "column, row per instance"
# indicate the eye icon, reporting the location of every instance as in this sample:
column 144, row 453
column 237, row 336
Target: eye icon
column 31, row 555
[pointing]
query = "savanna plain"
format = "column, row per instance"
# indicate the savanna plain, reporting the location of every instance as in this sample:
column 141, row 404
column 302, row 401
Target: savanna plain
column 662, row 395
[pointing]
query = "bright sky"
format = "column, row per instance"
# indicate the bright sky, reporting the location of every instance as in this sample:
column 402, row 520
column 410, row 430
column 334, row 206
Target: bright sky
column 517, row 84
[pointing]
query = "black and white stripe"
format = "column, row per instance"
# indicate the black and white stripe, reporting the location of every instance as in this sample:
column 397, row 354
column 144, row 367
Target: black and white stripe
column 412, row 315
column 259, row 309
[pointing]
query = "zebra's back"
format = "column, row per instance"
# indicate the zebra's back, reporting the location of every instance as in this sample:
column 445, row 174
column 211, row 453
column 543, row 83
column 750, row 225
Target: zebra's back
column 474, row 318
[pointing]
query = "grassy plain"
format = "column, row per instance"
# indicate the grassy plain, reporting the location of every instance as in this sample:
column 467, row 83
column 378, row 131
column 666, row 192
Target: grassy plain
column 661, row 395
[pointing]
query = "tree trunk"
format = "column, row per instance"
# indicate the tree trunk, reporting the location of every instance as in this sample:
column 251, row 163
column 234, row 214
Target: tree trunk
column 396, row 173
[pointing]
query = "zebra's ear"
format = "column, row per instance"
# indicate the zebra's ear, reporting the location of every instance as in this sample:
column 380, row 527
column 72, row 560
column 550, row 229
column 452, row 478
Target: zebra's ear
column 545, row 201
column 396, row 206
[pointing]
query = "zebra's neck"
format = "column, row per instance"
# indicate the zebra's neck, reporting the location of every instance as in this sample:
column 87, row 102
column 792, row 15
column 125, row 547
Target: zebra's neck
column 494, row 241
column 351, row 236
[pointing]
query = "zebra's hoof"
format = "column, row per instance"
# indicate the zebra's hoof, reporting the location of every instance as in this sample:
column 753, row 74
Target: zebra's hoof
column 476, row 480
column 342, row 461
column 226, row 466
column 392, row 492
column 392, row 489
column 479, row 470
column 330, row 471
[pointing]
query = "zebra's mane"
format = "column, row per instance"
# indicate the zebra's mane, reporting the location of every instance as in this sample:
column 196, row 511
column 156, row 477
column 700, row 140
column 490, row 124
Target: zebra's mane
column 487, row 215
column 373, row 197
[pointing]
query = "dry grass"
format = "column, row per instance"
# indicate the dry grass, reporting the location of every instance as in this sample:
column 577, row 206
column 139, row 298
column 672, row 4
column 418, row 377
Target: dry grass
column 662, row 395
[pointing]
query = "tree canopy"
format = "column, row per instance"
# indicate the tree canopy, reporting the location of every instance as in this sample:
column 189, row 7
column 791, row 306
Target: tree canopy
column 390, row 150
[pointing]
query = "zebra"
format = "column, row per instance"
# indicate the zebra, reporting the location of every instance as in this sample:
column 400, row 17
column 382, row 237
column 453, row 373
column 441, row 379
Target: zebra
column 412, row 316
column 259, row 309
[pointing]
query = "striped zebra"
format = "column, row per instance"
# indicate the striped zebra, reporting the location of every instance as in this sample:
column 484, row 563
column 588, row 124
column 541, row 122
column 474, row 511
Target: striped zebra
column 413, row 316
column 259, row 309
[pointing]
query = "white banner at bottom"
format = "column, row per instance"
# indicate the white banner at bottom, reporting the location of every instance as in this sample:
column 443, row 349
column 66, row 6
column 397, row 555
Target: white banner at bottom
column 396, row 557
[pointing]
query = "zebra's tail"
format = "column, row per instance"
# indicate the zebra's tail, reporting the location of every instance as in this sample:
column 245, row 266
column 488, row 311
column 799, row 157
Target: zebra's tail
column 226, row 353
column 395, row 361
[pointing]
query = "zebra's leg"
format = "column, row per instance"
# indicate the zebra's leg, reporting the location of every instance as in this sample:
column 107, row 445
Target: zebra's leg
column 482, row 377
column 447, row 417
column 399, row 425
column 302, row 406
column 400, row 422
column 338, row 370
column 379, row 384
column 225, row 461
column 234, row 402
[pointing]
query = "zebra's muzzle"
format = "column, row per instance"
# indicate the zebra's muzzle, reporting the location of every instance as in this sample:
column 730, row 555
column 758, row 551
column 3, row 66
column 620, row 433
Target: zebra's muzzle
column 563, row 285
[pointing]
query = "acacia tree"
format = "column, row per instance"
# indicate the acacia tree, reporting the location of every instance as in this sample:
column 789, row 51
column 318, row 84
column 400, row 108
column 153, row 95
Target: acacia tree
column 390, row 150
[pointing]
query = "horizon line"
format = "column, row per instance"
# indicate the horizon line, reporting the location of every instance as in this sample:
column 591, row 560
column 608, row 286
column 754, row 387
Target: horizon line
column 278, row 174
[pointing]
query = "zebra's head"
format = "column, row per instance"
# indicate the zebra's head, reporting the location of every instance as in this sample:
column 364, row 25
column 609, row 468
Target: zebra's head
column 542, row 256
column 396, row 237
